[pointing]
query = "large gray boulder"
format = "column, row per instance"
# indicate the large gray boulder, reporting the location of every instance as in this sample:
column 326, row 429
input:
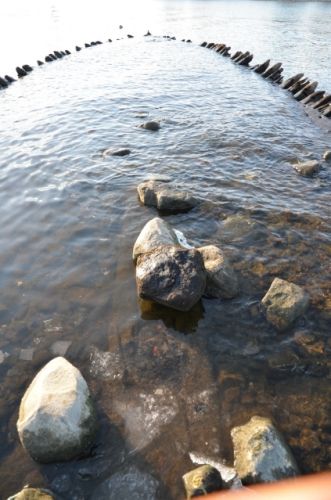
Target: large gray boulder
column 32, row 494
column 221, row 279
column 57, row 419
column 156, row 233
column 260, row 452
column 284, row 302
column 165, row 197
column 172, row 276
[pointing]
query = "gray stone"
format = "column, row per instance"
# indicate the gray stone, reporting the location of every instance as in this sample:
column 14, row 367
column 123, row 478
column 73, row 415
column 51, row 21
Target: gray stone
column 116, row 152
column 308, row 168
column 56, row 418
column 284, row 302
column 221, row 278
column 33, row 494
column 327, row 155
column 156, row 233
column 174, row 277
column 261, row 454
column 130, row 483
column 165, row 197
column 152, row 125
column 201, row 481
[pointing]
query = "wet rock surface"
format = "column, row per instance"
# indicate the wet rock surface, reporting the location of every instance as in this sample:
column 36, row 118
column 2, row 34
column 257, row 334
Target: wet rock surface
column 284, row 302
column 222, row 281
column 201, row 481
column 56, row 418
column 165, row 197
column 308, row 168
column 153, row 126
column 261, row 454
column 116, row 152
column 156, row 233
column 171, row 276
column 33, row 494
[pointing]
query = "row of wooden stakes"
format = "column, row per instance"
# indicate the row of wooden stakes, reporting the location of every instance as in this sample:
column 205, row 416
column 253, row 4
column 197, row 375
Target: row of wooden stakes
column 302, row 89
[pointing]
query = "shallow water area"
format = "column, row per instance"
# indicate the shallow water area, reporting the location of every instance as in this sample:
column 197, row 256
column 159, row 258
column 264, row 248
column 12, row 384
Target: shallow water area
column 166, row 384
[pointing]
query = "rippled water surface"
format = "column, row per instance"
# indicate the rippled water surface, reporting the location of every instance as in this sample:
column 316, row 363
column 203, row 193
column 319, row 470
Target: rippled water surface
column 166, row 384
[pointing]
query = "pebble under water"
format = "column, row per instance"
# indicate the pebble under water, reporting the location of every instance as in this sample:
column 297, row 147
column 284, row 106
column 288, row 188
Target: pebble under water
column 168, row 385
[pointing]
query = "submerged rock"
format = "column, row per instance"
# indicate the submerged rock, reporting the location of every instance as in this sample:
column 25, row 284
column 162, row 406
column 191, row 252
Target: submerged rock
column 130, row 483
column 152, row 125
column 56, row 419
column 327, row 155
column 32, row 494
column 308, row 168
column 221, row 279
column 165, row 197
column 202, row 480
column 156, row 233
column 260, row 452
column 171, row 276
column 284, row 302
column 116, row 152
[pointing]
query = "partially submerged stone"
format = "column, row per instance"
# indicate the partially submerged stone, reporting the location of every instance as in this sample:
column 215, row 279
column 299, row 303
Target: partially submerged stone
column 307, row 168
column 260, row 452
column 57, row 419
column 152, row 125
column 32, row 494
column 284, row 303
column 165, row 197
column 221, row 278
column 116, row 152
column 156, row 233
column 327, row 155
column 171, row 276
column 202, row 480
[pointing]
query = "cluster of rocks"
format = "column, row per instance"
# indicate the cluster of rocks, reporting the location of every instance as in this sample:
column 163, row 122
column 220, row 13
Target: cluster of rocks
column 311, row 167
column 261, row 455
column 300, row 86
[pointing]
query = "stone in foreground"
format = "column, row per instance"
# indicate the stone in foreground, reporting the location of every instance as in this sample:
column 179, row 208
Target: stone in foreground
column 260, row 452
column 56, row 418
column 153, row 126
column 308, row 168
column 32, row 494
column 156, row 233
column 221, row 279
column 201, row 481
column 284, row 302
column 165, row 197
column 171, row 276
column 128, row 484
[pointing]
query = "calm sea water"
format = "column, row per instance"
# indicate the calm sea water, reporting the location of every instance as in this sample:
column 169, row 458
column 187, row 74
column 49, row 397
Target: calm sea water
column 166, row 384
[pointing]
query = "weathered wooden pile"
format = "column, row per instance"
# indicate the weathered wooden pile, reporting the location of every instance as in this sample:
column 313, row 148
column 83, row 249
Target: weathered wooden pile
column 300, row 86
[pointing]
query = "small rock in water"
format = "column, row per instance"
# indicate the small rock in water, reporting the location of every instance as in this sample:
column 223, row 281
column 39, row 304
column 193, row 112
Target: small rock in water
column 116, row 152
column 284, row 302
column 221, row 279
column 171, row 276
column 129, row 483
column 153, row 126
column 33, row 494
column 260, row 452
column 57, row 419
column 327, row 155
column 202, row 480
column 165, row 198
column 308, row 168
column 156, row 233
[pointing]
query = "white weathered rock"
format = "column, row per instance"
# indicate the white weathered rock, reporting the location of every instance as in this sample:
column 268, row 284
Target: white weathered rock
column 56, row 419
column 260, row 452
column 284, row 302
column 202, row 480
column 32, row 494
column 327, row 155
column 221, row 279
column 156, row 233
column 307, row 168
